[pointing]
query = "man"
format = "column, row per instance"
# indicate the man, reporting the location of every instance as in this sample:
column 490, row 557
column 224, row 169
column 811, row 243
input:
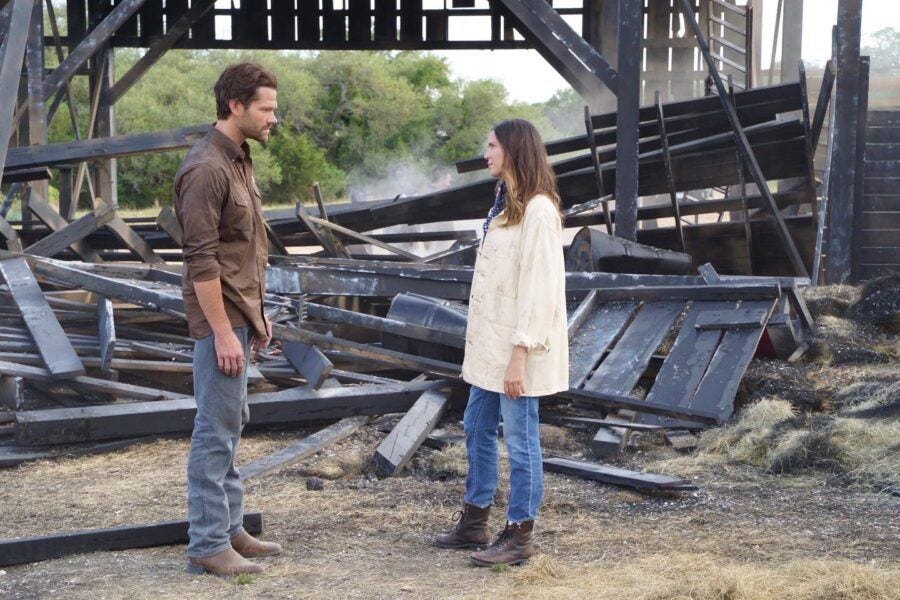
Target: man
column 225, row 254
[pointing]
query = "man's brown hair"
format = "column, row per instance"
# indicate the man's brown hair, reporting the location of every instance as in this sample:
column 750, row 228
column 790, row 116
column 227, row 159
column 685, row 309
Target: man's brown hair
column 240, row 82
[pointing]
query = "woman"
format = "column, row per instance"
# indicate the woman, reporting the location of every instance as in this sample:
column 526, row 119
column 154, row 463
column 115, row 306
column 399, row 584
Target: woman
column 516, row 343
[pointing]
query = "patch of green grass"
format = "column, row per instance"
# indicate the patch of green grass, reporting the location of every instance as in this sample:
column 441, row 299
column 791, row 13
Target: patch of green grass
column 244, row 579
column 499, row 568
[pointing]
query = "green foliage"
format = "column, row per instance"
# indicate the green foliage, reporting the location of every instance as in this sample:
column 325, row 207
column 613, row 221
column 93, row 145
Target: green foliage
column 884, row 48
column 344, row 118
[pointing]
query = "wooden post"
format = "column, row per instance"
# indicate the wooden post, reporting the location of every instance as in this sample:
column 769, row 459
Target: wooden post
column 838, row 260
column 631, row 21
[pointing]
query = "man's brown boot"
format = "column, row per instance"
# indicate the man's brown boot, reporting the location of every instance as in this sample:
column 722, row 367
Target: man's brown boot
column 226, row 563
column 512, row 547
column 249, row 547
column 471, row 529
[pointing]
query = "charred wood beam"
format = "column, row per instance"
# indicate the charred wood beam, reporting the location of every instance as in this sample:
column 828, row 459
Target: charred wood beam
column 822, row 103
column 294, row 405
column 628, row 97
column 45, row 330
column 746, row 151
column 174, row 33
column 74, row 232
column 33, row 549
column 569, row 53
column 90, row 45
column 13, row 54
column 99, row 148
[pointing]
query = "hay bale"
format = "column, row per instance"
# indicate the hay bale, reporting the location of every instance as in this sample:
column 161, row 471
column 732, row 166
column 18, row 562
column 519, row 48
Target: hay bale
column 879, row 304
column 867, row 399
column 829, row 300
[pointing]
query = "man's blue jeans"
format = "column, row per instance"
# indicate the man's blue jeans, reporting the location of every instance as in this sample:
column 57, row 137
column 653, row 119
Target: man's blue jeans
column 215, row 492
column 523, row 442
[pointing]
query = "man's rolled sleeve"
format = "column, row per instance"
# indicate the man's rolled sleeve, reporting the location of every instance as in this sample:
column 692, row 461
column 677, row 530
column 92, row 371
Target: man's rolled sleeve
column 202, row 191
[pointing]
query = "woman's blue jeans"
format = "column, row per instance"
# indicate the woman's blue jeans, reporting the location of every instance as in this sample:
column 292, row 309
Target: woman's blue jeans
column 523, row 442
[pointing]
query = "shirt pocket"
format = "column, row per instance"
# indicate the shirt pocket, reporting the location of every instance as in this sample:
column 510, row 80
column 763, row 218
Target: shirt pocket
column 238, row 214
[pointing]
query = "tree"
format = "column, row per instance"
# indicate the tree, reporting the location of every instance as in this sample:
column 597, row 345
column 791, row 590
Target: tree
column 884, row 48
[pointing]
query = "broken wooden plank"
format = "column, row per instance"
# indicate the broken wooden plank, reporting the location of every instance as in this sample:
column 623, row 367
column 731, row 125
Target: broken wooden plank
column 49, row 337
column 53, row 220
column 33, row 549
column 397, row 449
column 304, row 448
column 308, row 361
column 362, row 237
column 69, row 235
column 591, row 340
column 739, row 318
column 168, row 222
column 617, row 476
column 13, row 456
column 107, row 333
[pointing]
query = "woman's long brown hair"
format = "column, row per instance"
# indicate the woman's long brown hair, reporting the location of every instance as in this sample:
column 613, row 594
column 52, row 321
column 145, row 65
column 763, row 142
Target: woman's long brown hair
column 526, row 168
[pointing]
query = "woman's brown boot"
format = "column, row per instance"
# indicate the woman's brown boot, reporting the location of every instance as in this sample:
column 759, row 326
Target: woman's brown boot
column 471, row 529
column 512, row 547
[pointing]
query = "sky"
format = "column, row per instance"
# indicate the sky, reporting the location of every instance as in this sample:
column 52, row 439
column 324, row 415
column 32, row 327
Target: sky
column 528, row 77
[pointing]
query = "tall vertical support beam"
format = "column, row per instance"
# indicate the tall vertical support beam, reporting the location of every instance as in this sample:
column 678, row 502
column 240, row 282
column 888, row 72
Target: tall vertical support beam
column 631, row 28
column 756, row 38
column 37, row 111
column 859, row 183
column 838, row 260
column 13, row 52
column 791, row 40
column 105, row 169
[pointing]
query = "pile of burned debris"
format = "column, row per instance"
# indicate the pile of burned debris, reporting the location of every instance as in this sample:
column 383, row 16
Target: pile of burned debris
column 95, row 354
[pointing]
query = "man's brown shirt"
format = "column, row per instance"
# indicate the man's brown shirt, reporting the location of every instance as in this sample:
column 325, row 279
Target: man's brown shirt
column 220, row 211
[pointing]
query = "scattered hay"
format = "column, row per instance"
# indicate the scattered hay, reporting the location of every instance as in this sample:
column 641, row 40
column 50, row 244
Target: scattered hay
column 879, row 304
column 829, row 300
column 865, row 451
column 705, row 576
column 556, row 438
column 338, row 466
column 749, row 439
column 780, row 379
column 866, row 399
column 450, row 462
column 841, row 342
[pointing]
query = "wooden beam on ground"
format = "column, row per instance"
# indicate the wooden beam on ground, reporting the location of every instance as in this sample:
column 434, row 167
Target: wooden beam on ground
column 91, row 384
column 617, row 476
column 304, row 448
column 72, row 233
column 294, row 405
column 49, row 337
column 398, row 448
column 93, row 42
column 33, row 549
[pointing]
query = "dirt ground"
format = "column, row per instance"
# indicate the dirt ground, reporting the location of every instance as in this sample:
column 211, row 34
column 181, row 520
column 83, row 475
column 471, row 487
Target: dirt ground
column 771, row 518
column 737, row 537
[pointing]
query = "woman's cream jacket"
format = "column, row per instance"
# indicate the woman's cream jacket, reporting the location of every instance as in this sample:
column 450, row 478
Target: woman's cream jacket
column 518, row 299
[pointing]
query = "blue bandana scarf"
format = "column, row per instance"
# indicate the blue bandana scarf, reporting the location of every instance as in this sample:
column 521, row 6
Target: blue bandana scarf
column 497, row 208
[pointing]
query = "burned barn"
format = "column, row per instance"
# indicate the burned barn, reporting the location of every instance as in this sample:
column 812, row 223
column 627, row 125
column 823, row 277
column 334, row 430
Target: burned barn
column 701, row 198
